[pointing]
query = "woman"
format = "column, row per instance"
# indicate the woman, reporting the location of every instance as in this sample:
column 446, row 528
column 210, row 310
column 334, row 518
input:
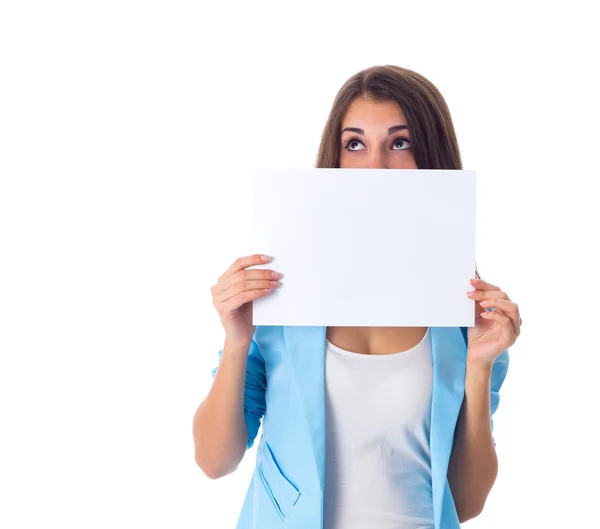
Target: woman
column 363, row 427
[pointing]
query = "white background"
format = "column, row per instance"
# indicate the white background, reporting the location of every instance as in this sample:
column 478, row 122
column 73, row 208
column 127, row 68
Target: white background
column 128, row 135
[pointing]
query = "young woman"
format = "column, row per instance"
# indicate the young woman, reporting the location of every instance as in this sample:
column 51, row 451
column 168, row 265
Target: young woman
column 362, row 427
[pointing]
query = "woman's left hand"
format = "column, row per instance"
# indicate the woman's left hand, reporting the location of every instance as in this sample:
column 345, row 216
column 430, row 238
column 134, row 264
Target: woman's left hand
column 494, row 331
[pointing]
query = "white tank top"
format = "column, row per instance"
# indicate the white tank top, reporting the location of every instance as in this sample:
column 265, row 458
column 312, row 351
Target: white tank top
column 378, row 465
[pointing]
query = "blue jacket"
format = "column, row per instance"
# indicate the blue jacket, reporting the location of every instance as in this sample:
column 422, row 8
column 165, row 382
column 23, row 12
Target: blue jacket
column 285, row 389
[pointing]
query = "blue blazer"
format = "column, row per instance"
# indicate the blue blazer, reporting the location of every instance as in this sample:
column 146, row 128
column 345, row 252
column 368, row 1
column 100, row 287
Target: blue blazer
column 285, row 389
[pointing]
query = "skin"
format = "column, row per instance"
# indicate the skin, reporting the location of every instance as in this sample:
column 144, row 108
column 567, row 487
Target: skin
column 473, row 464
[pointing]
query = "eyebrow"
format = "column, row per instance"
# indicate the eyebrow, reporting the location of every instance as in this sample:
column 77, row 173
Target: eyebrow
column 391, row 130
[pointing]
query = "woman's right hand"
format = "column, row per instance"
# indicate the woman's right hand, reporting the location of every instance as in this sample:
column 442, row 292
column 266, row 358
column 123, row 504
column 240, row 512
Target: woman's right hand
column 233, row 293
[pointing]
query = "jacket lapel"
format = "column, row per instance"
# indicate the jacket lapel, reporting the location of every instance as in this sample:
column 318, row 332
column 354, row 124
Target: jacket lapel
column 449, row 364
column 305, row 347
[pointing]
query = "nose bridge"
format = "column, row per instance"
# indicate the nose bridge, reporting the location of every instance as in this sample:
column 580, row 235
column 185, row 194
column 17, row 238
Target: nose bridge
column 376, row 159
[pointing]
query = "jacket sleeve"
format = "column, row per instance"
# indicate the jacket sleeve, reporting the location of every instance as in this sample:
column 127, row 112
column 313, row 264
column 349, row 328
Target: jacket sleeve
column 499, row 370
column 254, row 392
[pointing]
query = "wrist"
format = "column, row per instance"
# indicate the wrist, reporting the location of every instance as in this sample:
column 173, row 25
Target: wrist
column 235, row 347
column 479, row 366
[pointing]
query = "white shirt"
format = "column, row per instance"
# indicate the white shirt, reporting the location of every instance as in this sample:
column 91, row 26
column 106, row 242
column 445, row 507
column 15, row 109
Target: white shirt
column 378, row 465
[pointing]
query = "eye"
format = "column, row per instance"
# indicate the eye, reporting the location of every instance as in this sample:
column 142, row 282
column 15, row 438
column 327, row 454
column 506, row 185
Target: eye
column 404, row 140
column 352, row 139
column 401, row 139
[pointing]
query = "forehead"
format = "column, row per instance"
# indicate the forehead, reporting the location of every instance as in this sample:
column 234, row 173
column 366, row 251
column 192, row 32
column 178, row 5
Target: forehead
column 373, row 113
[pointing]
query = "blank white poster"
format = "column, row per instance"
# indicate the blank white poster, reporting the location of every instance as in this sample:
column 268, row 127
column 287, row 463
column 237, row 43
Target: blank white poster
column 366, row 247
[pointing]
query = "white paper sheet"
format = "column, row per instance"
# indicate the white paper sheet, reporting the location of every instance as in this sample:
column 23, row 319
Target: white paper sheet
column 366, row 247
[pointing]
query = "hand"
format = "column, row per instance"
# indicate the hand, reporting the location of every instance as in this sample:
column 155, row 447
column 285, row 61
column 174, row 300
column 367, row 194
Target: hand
column 494, row 331
column 234, row 291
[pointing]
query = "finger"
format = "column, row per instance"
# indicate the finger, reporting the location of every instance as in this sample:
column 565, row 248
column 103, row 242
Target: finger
column 225, row 282
column 243, row 297
column 243, row 286
column 477, row 312
column 480, row 284
column 502, row 319
column 509, row 308
column 480, row 295
column 244, row 262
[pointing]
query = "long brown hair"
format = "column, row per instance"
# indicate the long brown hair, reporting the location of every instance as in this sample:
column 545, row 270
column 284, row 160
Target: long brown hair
column 433, row 138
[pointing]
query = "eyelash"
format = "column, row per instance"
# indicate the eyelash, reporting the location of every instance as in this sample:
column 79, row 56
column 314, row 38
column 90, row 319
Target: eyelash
column 356, row 138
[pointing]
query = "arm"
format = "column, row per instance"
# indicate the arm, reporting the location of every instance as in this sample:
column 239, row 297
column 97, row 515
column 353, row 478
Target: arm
column 227, row 421
column 473, row 465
